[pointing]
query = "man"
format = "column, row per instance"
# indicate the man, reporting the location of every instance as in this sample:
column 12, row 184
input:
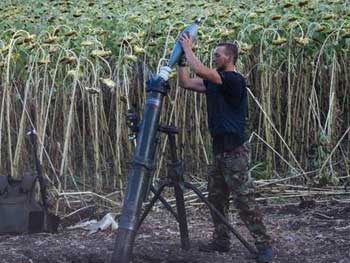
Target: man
column 226, row 106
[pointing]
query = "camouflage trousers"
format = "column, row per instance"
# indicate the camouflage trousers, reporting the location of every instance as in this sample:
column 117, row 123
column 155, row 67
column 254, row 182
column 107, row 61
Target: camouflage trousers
column 230, row 175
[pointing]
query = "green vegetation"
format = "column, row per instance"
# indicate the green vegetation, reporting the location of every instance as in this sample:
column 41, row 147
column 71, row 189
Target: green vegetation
column 82, row 64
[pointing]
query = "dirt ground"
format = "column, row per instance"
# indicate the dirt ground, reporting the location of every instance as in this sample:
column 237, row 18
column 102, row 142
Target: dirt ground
column 319, row 232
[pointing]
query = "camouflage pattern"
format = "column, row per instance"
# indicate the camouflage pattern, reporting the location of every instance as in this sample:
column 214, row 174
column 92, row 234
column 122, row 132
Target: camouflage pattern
column 230, row 175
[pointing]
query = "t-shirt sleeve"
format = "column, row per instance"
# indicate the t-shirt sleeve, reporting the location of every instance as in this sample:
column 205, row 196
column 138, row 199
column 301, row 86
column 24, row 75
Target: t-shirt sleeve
column 232, row 86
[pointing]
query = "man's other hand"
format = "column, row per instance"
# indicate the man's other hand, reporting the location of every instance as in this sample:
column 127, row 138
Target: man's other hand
column 186, row 41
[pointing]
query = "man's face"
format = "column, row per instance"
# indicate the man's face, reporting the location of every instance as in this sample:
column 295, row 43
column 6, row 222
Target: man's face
column 220, row 59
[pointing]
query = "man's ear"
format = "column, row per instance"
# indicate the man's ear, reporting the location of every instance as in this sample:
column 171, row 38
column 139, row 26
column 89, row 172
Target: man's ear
column 228, row 59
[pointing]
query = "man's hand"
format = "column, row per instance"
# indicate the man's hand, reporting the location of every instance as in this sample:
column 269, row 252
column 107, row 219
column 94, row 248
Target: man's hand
column 186, row 41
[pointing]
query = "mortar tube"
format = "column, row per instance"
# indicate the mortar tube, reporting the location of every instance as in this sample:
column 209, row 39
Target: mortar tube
column 139, row 173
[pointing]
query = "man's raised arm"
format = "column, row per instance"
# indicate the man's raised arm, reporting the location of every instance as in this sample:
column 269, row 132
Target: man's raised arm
column 195, row 84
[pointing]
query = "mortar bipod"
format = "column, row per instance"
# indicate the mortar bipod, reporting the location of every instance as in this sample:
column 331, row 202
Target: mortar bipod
column 175, row 179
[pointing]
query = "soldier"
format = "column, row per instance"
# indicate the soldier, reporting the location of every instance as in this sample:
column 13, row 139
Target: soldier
column 226, row 107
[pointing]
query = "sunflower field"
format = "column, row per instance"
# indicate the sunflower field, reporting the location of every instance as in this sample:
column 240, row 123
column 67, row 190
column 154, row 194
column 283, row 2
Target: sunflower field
column 73, row 69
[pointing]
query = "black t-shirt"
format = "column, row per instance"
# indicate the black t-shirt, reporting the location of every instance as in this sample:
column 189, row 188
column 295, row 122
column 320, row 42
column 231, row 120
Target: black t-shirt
column 226, row 111
column 233, row 85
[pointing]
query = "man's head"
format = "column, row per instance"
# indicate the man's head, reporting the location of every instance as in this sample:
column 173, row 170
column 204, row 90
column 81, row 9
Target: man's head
column 225, row 54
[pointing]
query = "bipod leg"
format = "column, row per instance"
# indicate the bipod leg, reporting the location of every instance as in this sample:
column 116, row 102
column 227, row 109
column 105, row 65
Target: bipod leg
column 150, row 205
column 180, row 204
column 176, row 176
column 251, row 249
column 165, row 203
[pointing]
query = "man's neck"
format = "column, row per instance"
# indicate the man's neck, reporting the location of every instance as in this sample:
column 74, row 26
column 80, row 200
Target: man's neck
column 229, row 67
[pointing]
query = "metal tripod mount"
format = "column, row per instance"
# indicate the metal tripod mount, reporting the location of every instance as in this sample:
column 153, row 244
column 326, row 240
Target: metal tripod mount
column 176, row 180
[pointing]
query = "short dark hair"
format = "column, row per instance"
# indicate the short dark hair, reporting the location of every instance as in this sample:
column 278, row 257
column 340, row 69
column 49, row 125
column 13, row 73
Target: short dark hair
column 231, row 50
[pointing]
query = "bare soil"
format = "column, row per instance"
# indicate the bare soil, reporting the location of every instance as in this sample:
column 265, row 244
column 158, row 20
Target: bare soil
column 317, row 232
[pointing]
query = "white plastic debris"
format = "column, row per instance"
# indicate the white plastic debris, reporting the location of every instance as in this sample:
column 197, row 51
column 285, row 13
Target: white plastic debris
column 94, row 226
